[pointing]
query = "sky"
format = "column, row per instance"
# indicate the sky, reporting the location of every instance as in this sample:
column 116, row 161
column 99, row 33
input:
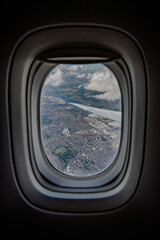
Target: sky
column 98, row 78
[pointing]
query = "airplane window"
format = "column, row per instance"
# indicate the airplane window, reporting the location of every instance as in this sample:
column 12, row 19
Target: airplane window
column 80, row 118
column 81, row 107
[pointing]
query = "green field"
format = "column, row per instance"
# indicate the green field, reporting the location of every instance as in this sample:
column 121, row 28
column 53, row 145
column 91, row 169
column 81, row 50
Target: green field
column 64, row 154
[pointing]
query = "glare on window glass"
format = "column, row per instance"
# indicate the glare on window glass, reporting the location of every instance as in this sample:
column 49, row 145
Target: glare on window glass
column 80, row 118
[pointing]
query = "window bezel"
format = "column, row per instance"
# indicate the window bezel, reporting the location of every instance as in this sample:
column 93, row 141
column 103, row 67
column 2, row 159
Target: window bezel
column 39, row 190
column 45, row 168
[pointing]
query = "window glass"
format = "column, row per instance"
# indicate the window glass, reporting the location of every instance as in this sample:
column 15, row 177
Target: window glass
column 80, row 118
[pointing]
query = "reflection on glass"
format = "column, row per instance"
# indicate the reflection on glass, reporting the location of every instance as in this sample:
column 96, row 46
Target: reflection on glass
column 80, row 113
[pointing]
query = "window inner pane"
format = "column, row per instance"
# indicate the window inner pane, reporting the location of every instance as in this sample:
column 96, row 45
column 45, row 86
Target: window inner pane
column 80, row 118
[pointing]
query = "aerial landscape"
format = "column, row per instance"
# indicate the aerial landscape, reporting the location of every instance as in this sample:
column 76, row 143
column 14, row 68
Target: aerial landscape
column 80, row 112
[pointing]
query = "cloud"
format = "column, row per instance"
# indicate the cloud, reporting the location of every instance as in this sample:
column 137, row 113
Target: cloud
column 89, row 75
column 75, row 67
column 81, row 75
column 105, row 82
column 73, row 73
column 108, row 96
column 55, row 78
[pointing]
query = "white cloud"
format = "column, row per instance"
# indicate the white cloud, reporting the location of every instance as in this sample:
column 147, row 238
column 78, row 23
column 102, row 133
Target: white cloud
column 55, row 78
column 105, row 82
column 89, row 75
column 73, row 73
column 108, row 95
column 75, row 67
column 81, row 75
